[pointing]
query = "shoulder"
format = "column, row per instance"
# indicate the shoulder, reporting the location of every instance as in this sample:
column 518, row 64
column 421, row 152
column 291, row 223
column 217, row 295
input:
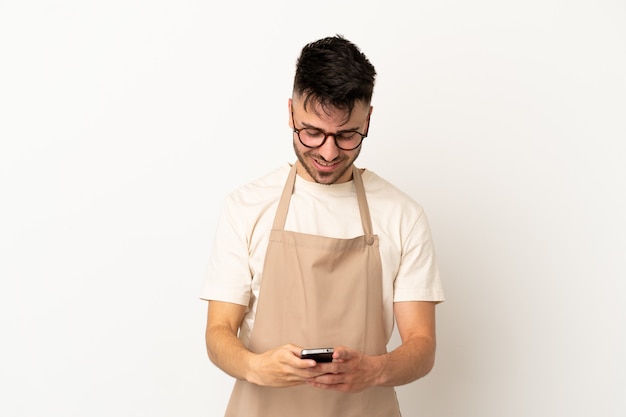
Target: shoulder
column 260, row 190
column 254, row 203
column 382, row 192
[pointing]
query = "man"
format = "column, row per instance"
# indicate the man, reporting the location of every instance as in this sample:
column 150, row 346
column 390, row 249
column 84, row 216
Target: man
column 322, row 254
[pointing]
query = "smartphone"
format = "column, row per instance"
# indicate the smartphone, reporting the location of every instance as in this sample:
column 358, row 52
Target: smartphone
column 318, row 354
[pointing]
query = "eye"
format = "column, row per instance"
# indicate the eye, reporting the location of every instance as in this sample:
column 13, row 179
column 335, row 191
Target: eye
column 313, row 133
column 346, row 136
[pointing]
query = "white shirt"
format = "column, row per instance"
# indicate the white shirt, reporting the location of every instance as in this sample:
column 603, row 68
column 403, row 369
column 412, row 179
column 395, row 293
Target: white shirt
column 235, row 271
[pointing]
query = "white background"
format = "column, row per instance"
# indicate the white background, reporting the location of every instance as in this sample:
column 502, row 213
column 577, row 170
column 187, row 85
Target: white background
column 123, row 124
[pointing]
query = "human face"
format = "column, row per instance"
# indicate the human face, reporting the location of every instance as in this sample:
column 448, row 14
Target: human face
column 326, row 164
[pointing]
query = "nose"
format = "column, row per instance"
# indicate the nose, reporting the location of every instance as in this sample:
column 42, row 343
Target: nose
column 329, row 150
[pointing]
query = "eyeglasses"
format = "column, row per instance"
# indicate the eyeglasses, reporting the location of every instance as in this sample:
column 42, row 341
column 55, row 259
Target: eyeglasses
column 346, row 140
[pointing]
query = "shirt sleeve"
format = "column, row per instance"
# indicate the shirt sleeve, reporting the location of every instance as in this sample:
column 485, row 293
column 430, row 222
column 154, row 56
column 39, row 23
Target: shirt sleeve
column 228, row 275
column 418, row 275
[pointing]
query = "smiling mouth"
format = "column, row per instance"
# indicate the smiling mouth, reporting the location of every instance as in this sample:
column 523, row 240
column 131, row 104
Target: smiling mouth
column 324, row 166
column 324, row 163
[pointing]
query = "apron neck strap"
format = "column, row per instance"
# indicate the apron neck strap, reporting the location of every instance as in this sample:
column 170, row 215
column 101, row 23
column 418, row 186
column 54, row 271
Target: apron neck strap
column 283, row 203
column 366, row 220
column 285, row 198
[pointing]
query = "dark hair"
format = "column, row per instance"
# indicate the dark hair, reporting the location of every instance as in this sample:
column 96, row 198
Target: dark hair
column 334, row 73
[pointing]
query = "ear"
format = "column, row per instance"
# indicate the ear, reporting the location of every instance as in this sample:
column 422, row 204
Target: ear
column 289, row 110
column 371, row 110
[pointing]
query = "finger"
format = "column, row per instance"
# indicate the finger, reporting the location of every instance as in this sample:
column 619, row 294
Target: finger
column 295, row 349
column 295, row 359
column 342, row 353
column 336, row 367
column 336, row 387
column 307, row 363
column 330, row 378
column 312, row 374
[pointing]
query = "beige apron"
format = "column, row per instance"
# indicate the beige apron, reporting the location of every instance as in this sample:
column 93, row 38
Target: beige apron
column 318, row 292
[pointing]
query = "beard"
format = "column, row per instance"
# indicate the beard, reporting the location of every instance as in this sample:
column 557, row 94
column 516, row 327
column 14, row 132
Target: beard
column 306, row 160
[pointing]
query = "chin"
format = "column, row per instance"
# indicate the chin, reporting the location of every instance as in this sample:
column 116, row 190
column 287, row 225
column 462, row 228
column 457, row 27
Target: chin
column 329, row 178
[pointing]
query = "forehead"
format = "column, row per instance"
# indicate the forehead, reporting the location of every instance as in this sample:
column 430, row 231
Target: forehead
column 317, row 114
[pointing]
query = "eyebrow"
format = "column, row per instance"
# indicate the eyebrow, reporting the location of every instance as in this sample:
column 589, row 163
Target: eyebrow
column 308, row 126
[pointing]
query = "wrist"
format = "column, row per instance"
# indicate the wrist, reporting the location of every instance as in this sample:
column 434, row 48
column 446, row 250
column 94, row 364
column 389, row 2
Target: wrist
column 381, row 369
column 250, row 369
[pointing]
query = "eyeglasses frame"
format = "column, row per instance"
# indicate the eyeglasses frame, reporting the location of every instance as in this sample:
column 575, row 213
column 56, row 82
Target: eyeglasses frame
column 334, row 135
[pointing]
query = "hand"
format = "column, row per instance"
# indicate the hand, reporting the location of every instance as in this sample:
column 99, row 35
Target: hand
column 281, row 367
column 350, row 371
